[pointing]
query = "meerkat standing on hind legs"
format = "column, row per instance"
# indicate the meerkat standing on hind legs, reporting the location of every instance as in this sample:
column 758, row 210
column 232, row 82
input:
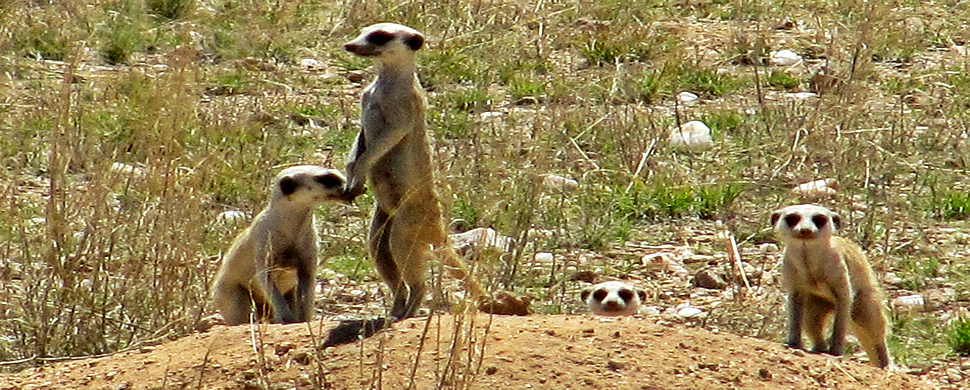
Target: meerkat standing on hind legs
column 824, row 275
column 271, row 264
column 393, row 154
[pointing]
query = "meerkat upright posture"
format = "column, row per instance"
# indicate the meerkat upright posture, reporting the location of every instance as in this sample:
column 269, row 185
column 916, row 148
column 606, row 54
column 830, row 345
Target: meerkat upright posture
column 613, row 298
column 824, row 275
column 279, row 246
column 392, row 152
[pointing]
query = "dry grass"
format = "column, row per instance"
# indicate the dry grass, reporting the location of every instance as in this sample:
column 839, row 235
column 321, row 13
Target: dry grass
column 207, row 99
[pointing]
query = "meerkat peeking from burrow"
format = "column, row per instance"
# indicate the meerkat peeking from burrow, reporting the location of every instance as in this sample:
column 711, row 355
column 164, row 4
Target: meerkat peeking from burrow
column 614, row 298
column 271, row 265
column 823, row 275
column 392, row 154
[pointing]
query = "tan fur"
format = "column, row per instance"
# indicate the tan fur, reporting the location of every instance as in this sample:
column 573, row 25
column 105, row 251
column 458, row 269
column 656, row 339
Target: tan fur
column 392, row 153
column 271, row 264
column 824, row 275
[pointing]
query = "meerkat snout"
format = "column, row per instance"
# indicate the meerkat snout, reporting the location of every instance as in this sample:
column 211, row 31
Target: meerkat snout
column 613, row 298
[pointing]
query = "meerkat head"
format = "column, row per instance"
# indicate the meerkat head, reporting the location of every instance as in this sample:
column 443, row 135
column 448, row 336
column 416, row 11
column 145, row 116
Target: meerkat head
column 805, row 222
column 613, row 298
column 386, row 42
column 309, row 184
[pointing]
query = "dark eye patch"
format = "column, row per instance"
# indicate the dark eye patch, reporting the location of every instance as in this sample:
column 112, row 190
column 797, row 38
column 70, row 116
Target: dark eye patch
column 329, row 181
column 288, row 185
column 820, row 220
column 379, row 37
column 792, row 219
column 600, row 294
column 626, row 295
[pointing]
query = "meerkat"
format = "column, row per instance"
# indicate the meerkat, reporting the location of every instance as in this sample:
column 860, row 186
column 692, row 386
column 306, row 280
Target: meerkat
column 393, row 154
column 271, row 264
column 613, row 298
column 823, row 275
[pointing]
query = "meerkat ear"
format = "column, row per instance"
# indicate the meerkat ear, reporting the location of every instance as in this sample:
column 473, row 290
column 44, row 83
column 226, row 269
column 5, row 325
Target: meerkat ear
column 414, row 42
column 288, row 185
column 642, row 294
column 775, row 216
column 330, row 180
column 585, row 294
column 836, row 221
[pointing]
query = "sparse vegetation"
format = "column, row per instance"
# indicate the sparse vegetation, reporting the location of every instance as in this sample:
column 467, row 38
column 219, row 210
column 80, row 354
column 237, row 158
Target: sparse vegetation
column 209, row 99
column 959, row 335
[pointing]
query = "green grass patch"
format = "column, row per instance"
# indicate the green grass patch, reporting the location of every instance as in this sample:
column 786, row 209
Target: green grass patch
column 958, row 336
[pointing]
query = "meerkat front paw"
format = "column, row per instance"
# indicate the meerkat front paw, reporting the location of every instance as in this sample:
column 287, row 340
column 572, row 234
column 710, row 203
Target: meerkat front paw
column 352, row 191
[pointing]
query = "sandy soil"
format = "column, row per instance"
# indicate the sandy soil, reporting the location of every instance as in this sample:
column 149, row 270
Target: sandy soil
column 539, row 352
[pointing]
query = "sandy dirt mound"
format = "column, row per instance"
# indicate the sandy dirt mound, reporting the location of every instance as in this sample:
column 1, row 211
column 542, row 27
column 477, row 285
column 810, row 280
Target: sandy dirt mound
column 541, row 352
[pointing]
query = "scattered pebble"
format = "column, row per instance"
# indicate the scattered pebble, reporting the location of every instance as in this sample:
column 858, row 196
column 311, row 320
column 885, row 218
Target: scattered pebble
column 784, row 58
column 232, row 218
column 557, row 182
column 664, row 262
column 707, row 278
column 817, row 187
column 768, row 247
column 693, row 135
column 480, row 239
column 909, row 303
column 686, row 97
column 126, row 170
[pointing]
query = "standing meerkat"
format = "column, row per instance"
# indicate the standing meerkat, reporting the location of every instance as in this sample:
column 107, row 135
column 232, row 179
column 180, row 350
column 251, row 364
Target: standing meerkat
column 613, row 298
column 824, row 275
column 392, row 153
column 271, row 264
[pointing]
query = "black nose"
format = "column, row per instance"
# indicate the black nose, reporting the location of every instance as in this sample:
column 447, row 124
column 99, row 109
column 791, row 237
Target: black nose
column 350, row 47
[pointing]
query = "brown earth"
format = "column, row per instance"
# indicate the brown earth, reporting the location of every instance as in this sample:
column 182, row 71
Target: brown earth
column 539, row 351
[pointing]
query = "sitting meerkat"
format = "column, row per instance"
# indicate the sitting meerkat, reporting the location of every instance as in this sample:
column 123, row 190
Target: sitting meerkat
column 613, row 298
column 271, row 264
column 823, row 275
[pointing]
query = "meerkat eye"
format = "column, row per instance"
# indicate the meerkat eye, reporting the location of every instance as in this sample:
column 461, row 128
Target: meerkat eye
column 820, row 220
column 329, row 181
column 626, row 295
column 288, row 185
column 792, row 219
column 379, row 37
column 600, row 295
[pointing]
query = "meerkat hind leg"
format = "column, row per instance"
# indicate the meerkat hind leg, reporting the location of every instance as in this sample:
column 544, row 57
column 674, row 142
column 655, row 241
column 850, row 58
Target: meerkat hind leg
column 410, row 255
column 817, row 312
column 234, row 302
column 382, row 250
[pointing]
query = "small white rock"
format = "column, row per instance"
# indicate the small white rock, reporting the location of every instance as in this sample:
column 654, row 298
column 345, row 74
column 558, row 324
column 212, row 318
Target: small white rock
column 543, row 257
column 693, row 135
column 784, row 58
column 686, row 97
column 909, row 302
column 664, row 262
column 232, row 218
column 126, row 170
column 768, row 248
column 558, row 182
column 479, row 239
column 802, row 95
column 817, row 187
column 688, row 312
column 312, row 64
